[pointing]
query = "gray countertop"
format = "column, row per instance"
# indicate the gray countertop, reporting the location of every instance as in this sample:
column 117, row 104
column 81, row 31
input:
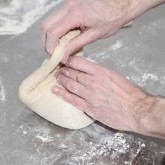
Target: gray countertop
column 137, row 52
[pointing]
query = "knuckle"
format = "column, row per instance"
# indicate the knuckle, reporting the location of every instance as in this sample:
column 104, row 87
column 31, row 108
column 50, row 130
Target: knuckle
column 49, row 33
column 73, row 62
column 94, row 103
column 73, row 46
column 70, row 48
column 91, row 100
column 59, row 78
column 65, row 71
column 71, row 86
column 43, row 26
column 76, row 12
column 94, row 84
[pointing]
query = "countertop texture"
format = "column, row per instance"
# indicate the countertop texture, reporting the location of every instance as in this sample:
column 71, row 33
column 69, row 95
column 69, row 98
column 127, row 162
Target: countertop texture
column 137, row 52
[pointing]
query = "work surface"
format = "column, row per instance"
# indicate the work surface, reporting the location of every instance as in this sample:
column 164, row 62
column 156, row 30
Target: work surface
column 137, row 52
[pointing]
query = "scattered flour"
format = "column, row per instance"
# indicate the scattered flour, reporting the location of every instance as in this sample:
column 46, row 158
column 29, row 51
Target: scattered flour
column 45, row 138
column 141, row 80
column 29, row 12
column 42, row 134
column 2, row 92
column 94, row 145
column 113, row 148
column 150, row 76
column 117, row 45
column 153, row 27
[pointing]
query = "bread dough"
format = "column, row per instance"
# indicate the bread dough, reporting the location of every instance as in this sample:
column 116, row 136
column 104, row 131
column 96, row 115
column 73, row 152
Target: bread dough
column 35, row 92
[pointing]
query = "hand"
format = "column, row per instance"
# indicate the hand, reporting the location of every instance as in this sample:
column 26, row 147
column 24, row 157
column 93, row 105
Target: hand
column 96, row 20
column 103, row 94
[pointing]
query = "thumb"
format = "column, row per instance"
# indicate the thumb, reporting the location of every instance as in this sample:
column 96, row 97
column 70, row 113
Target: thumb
column 78, row 42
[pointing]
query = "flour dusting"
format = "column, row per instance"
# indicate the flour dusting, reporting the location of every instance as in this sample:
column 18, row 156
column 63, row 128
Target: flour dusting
column 19, row 15
column 2, row 92
column 117, row 45
column 94, row 145
column 142, row 80
column 44, row 138
column 113, row 148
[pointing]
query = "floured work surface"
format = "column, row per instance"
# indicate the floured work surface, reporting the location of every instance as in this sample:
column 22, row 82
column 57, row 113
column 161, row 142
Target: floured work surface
column 26, row 138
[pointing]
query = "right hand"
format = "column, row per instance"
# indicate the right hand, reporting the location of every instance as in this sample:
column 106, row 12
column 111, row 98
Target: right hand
column 96, row 20
column 107, row 96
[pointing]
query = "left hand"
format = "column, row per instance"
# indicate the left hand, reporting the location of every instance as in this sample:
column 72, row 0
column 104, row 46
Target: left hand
column 95, row 19
column 103, row 94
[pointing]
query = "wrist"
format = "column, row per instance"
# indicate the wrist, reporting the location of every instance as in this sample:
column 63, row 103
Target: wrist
column 138, row 7
column 140, row 108
column 150, row 118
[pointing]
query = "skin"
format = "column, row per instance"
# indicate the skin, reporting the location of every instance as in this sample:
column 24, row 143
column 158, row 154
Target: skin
column 108, row 97
column 92, row 26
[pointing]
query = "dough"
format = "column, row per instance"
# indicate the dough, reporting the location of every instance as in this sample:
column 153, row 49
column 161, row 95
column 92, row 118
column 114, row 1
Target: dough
column 35, row 92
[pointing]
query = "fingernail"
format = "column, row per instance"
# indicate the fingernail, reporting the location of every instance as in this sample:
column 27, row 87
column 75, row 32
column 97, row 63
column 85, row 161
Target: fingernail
column 57, row 76
column 49, row 50
column 63, row 70
column 49, row 46
column 55, row 89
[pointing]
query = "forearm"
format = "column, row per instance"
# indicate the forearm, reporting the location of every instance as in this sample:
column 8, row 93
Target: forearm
column 138, row 7
column 152, row 119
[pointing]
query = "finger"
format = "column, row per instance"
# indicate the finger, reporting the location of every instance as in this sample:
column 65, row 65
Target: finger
column 82, row 64
column 62, row 27
column 70, row 98
column 71, row 85
column 78, row 42
column 82, row 77
column 51, row 20
column 59, row 13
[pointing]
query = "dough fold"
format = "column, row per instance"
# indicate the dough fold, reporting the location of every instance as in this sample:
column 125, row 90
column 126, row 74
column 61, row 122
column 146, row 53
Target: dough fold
column 35, row 92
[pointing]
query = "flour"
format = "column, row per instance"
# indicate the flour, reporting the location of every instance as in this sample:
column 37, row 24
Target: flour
column 153, row 27
column 94, row 145
column 142, row 80
column 117, row 45
column 19, row 15
column 45, row 138
column 150, row 76
column 2, row 92
column 112, row 148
